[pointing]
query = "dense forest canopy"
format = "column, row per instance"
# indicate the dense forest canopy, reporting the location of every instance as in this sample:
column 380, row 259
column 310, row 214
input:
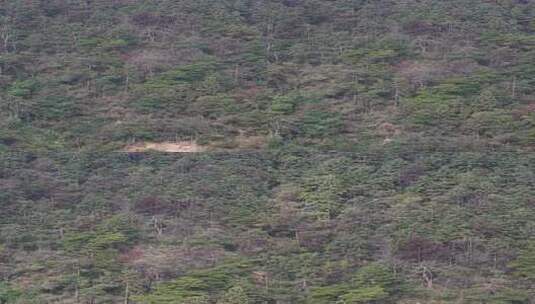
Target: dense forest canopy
column 267, row 151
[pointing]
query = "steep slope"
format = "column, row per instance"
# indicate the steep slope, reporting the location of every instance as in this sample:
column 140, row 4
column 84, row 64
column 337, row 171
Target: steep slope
column 345, row 151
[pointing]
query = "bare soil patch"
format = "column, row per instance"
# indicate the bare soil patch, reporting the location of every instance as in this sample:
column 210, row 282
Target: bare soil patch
column 169, row 147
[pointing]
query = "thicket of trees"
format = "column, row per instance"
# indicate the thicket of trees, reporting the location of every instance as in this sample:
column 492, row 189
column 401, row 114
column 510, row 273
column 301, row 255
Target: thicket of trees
column 370, row 151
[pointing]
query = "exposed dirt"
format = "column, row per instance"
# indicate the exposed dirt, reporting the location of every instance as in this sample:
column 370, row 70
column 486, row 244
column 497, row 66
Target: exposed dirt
column 236, row 143
column 169, row 147
column 389, row 131
column 251, row 142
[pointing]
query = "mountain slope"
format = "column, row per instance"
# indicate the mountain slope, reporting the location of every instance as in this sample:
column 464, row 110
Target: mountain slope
column 344, row 151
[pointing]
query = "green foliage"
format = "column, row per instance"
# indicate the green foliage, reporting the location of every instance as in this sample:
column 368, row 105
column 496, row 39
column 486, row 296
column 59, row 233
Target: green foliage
column 431, row 108
column 200, row 285
column 373, row 283
column 338, row 137
column 465, row 87
column 327, row 294
column 180, row 291
column 360, row 55
column 375, row 274
column 321, row 124
column 23, row 88
column 285, row 104
column 113, row 233
column 8, row 294
column 77, row 241
column 387, row 50
column 151, row 104
column 214, row 106
column 322, row 195
column 107, row 44
column 493, row 123
column 56, row 108
column 371, row 294
column 186, row 74
column 109, row 82
column 108, row 240
column 235, row 295
column 524, row 264
column 90, row 42
column 500, row 295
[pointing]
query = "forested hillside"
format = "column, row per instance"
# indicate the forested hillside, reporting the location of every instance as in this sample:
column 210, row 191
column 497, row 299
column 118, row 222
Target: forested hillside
column 267, row 151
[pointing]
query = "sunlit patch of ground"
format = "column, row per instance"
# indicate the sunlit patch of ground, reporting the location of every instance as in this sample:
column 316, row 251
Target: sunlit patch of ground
column 240, row 142
column 169, row 147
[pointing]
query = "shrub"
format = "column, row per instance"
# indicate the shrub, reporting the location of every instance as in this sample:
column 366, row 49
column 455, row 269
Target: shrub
column 186, row 74
column 364, row 295
column 321, row 194
column 23, row 88
column 235, row 295
column 373, row 282
column 8, row 294
column 55, row 107
column 327, row 294
column 321, row 124
column 180, row 291
column 285, row 104
column 430, row 108
column 524, row 264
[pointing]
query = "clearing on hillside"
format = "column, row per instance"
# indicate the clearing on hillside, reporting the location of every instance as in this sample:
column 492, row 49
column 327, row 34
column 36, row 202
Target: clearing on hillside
column 169, row 147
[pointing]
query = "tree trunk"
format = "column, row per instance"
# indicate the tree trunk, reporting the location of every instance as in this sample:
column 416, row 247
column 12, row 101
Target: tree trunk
column 126, row 294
